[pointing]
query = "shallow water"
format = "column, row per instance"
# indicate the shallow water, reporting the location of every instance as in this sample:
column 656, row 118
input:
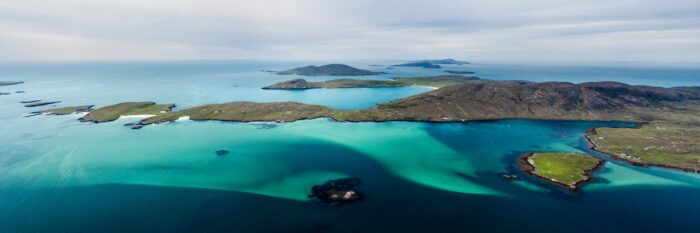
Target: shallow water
column 61, row 175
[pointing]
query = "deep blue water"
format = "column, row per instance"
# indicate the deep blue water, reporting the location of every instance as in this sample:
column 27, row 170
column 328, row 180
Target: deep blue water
column 61, row 175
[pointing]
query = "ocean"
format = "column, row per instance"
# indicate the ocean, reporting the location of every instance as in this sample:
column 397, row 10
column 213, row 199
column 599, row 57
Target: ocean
column 61, row 175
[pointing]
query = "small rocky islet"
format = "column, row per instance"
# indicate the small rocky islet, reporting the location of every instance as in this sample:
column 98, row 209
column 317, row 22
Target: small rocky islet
column 337, row 191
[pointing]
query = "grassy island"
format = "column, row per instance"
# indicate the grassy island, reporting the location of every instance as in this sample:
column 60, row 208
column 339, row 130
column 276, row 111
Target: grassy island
column 568, row 170
column 664, row 144
column 113, row 112
column 66, row 110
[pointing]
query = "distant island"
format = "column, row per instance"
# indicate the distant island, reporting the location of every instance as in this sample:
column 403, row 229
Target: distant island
column 458, row 72
column 430, row 81
column 670, row 114
column 432, row 64
column 8, row 83
column 328, row 70
column 568, row 170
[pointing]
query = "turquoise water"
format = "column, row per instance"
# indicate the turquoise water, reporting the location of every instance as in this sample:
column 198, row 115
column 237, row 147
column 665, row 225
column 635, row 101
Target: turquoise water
column 61, row 175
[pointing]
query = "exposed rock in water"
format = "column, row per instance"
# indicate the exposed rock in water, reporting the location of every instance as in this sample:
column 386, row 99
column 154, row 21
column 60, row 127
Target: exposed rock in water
column 337, row 191
column 328, row 70
column 509, row 176
column 222, row 152
column 7, row 83
column 37, row 104
column 3, row 93
column 29, row 101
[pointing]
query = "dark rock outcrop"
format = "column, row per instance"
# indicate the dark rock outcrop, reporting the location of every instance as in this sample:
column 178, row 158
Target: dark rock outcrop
column 337, row 191
column 37, row 104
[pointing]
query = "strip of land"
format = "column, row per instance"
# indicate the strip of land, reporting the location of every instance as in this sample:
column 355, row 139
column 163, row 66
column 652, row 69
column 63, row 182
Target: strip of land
column 567, row 170
column 430, row 81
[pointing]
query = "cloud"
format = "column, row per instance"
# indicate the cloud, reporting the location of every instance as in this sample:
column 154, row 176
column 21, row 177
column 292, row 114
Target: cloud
column 622, row 30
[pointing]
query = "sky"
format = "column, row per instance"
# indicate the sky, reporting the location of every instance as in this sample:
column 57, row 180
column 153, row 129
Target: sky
column 497, row 30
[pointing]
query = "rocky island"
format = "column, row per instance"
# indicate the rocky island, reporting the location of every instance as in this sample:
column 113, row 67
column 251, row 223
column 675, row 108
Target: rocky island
column 431, row 81
column 568, row 170
column 336, row 191
column 328, row 70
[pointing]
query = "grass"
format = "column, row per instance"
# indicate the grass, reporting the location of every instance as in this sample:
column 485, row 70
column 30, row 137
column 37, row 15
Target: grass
column 564, row 168
column 67, row 110
column 113, row 112
column 657, row 144
column 435, row 81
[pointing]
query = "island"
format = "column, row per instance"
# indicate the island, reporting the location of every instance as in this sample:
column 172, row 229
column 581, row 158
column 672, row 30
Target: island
column 328, row 70
column 430, row 81
column 432, row 64
column 421, row 64
column 663, row 144
column 447, row 62
column 567, row 170
column 8, row 83
column 65, row 110
column 336, row 191
column 113, row 112
column 676, row 110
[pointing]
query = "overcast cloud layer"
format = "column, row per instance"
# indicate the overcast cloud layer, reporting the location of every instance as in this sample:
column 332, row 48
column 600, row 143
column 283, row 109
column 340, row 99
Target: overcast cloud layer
column 556, row 30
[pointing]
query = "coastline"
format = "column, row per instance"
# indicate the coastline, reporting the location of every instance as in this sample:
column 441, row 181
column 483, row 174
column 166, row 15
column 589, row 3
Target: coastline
column 591, row 132
column 525, row 166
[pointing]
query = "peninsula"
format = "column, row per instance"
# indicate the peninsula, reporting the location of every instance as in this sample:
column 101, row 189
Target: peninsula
column 431, row 81
column 328, row 70
column 568, row 170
